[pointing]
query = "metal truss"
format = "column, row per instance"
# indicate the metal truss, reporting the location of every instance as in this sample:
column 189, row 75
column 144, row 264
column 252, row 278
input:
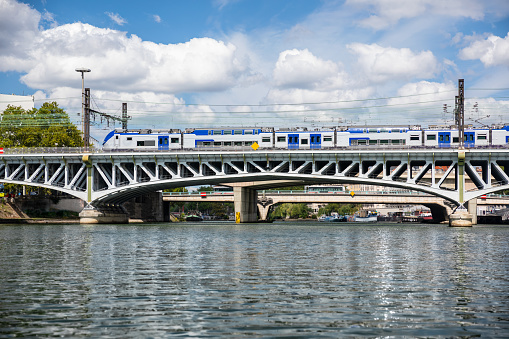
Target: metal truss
column 113, row 178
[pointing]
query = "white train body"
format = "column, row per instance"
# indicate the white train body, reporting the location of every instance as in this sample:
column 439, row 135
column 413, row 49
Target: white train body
column 270, row 138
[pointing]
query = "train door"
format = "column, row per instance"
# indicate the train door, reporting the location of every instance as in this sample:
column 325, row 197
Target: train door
column 444, row 139
column 293, row 141
column 469, row 139
column 316, row 141
column 163, row 144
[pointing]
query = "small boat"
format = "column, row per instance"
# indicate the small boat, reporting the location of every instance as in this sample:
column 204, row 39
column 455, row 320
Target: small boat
column 367, row 216
column 194, row 217
column 334, row 217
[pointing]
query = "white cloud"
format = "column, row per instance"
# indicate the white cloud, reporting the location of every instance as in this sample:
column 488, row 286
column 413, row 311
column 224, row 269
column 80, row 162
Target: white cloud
column 492, row 51
column 129, row 63
column 424, row 92
column 389, row 12
column 157, row 18
column 19, row 27
column 386, row 63
column 301, row 69
column 117, row 18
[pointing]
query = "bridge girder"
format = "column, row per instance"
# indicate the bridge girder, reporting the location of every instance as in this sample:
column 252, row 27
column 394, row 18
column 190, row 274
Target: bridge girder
column 112, row 178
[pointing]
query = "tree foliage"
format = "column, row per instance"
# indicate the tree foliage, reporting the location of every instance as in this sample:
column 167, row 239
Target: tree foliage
column 293, row 211
column 47, row 126
column 342, row 209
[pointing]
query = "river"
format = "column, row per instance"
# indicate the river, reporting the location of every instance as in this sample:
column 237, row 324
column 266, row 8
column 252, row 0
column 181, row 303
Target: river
column 222, row 280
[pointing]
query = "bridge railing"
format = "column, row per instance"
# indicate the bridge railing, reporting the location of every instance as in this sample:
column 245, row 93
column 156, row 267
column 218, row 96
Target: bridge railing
column 77, row 150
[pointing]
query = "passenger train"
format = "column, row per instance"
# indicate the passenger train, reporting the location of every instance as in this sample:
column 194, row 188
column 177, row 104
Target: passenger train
column 302, row 138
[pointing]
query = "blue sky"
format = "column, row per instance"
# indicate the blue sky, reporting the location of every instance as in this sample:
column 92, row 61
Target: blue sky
column 279, row 63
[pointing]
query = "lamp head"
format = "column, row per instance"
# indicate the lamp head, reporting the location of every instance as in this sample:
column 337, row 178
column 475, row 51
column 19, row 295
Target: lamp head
column 83, row 70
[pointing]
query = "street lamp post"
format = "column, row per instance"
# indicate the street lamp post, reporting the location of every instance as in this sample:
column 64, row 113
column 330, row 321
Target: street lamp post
column 83, row 127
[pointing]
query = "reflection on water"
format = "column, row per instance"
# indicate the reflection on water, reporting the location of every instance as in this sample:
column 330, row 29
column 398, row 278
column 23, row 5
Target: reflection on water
column 277, row 280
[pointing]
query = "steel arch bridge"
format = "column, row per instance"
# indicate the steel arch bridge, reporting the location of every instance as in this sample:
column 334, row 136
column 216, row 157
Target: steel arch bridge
column 109, row 179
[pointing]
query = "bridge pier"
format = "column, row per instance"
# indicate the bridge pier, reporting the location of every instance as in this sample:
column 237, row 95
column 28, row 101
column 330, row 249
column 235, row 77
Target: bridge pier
column 460, row 218
column 104, row 215
column 245, row 201
column 264, row 205
column 472, row 209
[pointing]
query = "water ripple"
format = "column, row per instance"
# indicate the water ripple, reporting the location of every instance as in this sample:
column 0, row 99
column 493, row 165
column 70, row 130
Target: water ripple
column 229, row 281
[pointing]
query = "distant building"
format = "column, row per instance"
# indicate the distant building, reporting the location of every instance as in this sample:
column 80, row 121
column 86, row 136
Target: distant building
column 25, row 101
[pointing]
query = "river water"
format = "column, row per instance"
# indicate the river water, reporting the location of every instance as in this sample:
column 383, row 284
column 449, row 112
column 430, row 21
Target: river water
column 222, row 280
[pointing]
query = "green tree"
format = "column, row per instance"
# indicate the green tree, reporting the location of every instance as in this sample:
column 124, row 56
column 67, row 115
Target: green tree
column 47, row 126
column 342, row 209
column 289, row 210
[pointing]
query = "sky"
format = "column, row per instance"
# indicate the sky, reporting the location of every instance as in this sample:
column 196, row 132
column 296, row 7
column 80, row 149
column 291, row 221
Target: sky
column 265, row 63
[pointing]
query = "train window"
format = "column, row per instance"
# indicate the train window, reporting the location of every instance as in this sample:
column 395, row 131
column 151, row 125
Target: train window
column 414, row 137
column 318, row 139
column 456, row 139
column 372, row 130
column 217, row 132
column 227, row 143
column 361, row 142
column 384, row 142
column 217, row 143
column 447, row 138
column 248, row 143
column 238, row 143
column 441, row 138
column 248, row 132
column 373, row 142
column 327, row 138
column 129, row 138
column 256, row 131
column 305, row 141
column 431, row 137
column 227, row 133
column 395, row 142
column 175, row 140
column 481, row 137
column 237, row 131
column 206, row 143
column 266, row 139
column 146, row 143
column 395, row 130
column 281, row 139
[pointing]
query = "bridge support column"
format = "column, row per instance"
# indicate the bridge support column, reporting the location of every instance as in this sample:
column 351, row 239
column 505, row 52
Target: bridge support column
column 245, row 200
column 472, row 209
column 104, row 215
column 264, row 205
column 460, row 218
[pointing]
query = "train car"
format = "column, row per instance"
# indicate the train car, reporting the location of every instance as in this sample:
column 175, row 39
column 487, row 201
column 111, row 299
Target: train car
column 231, row 138
column 301, row 138
column 148, row 140
column 376, row 137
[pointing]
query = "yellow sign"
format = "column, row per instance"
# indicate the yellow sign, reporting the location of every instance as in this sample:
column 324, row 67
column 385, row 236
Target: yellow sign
column 352, row 193
column 255, row 145
column 237, row 217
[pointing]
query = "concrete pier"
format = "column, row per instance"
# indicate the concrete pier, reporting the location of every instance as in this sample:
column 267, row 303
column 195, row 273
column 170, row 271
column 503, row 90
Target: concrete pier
column 245, row 202
column 460, row 218
column 104, row 215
